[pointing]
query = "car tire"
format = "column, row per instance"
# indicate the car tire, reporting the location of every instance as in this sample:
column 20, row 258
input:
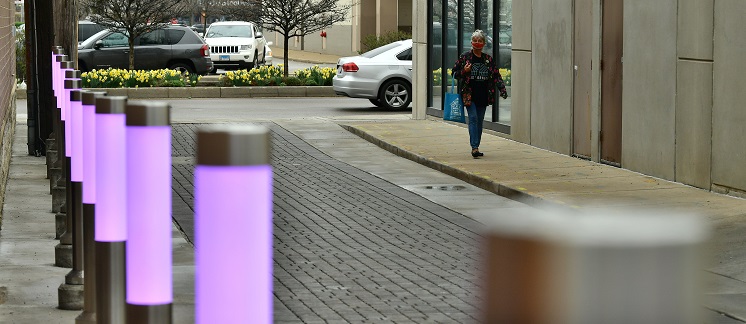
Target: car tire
column 255, row 62
column 395, row 94
column 376, row 102
column 182, row 67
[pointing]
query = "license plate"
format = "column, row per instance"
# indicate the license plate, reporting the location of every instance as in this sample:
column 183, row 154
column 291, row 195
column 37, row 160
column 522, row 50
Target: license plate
column 225, row 57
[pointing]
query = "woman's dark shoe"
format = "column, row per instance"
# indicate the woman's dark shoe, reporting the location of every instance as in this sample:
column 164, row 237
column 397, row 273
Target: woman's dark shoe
column 475, row 154
column 480, row 154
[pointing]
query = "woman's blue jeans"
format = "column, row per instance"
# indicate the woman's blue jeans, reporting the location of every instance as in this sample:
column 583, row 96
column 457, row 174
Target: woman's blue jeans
column 476, row 120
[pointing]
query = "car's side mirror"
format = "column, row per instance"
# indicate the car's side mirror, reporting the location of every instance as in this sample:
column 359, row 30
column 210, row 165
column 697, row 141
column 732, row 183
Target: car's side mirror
column 259, row 35
column 98, row 44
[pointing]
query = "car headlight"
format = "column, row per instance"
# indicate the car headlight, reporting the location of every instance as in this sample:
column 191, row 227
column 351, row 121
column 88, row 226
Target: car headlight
column 245, row 47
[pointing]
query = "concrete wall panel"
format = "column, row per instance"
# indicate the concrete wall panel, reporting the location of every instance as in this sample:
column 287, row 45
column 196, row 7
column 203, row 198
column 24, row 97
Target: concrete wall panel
column 695, row 29
column 729, row 100
column 522, row 25
column 694, row 123
column 552, row 75
column 649, row 90
column 520, row 127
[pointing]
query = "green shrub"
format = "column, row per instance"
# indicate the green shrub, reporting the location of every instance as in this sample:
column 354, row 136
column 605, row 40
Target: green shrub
column 372, row 41
column 311, row 82
column 20, row 57
column 292, row 81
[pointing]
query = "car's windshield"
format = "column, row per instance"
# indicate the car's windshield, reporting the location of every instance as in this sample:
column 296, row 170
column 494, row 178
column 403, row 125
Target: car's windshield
column 377, row 51
column 230, row 31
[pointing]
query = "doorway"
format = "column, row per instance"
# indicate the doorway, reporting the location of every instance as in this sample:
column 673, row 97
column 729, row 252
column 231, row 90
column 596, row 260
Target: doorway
column 582, row 64
column 612, row 45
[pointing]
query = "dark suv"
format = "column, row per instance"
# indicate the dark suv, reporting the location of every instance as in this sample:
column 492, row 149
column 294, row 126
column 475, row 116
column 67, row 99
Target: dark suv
column 173, row 47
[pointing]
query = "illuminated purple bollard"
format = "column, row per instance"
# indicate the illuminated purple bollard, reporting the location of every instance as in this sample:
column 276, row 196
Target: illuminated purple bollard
column 149, row 276
column 233, row 208
column 57, row 77
column 111, row 212
column 83, row 137
column 70, row 293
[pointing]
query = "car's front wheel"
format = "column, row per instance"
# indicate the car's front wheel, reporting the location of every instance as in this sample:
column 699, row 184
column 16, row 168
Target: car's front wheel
column 181, row 67
column 395, row 94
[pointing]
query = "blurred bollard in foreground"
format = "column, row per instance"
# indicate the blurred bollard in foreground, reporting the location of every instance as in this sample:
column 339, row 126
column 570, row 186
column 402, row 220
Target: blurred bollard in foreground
column 597, row 266
column 233, row 225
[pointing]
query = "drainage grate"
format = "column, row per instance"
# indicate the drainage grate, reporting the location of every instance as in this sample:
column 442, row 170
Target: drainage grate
column 446, row 188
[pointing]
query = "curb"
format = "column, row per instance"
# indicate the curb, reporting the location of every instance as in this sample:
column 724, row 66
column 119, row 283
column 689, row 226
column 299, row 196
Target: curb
column 212, row 92
column 489, row 185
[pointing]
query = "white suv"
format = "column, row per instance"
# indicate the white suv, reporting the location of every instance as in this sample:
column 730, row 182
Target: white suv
column 236, row 44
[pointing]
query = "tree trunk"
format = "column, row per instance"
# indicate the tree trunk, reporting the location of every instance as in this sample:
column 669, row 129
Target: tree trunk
column 66, row 27
column 131, row 42
column 286, row 40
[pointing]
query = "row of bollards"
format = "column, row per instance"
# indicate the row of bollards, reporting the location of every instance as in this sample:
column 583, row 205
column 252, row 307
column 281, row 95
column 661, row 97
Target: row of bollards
column 114, row 166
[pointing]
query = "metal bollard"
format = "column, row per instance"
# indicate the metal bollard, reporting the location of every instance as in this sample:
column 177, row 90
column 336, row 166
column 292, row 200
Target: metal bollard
column 148, row 249
column 111, row 213
column 70, row 294
column 81, row 155
column 596, row 266
column 232, row 173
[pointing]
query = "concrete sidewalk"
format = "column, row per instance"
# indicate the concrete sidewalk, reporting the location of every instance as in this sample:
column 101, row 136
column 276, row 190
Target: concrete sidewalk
column 535, row 176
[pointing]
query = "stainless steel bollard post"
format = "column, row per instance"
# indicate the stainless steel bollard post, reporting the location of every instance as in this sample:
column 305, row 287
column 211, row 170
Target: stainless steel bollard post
column 70, row 294
column 111, row 213
column 149, row 276
column 88, row 216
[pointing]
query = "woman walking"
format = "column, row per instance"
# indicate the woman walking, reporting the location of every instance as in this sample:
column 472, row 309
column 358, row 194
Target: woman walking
column 479, row 76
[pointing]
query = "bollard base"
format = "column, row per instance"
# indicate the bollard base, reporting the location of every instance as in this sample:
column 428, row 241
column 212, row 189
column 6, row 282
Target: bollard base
column 70, row 297
column 60, row 225
column 59, row 196
column 74, row 277
column 63, row 255
column 149, row 314
column 55, row 174
column 86, row 318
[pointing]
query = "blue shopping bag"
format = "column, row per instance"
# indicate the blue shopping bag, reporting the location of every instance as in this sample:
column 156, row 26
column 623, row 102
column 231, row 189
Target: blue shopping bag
column 453, row 107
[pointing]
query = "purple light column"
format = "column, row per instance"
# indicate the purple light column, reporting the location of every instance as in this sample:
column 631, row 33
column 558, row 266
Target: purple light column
column 233, row 226
column 148, row 249
column 58, row 77
column 111, row 213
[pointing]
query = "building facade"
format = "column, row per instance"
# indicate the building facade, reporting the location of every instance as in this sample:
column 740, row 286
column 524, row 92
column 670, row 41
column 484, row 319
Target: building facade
column 650, row 86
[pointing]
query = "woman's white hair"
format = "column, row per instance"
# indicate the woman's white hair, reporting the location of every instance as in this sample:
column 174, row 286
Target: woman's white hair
column 479, row 34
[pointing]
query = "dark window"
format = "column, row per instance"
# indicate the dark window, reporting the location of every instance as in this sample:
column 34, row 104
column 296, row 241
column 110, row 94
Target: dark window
column 88, row 30
column 115, row 40
column 174, row 36
column 406, row 55
column 156, row 37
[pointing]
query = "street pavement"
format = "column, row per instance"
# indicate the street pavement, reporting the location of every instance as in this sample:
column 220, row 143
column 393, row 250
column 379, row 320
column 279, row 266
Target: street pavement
column 364, row 235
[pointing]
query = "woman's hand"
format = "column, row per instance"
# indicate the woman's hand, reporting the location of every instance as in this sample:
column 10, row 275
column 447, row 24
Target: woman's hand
column 467, row 67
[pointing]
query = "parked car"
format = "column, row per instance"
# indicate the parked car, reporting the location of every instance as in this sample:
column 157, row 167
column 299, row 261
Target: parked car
column 199, row 28
column 382, row 75
column 87, row 29
column 173, row 47
column 236, row 45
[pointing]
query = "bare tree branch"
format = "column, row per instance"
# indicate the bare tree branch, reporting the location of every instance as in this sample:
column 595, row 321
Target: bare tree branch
column 292, row 18
column 133, row 17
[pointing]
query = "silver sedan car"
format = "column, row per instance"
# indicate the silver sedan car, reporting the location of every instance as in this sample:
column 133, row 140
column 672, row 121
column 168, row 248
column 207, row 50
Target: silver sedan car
column 382, row 75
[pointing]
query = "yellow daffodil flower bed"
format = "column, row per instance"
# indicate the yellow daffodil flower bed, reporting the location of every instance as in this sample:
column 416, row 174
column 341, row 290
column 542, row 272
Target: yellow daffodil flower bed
column 121, row 78
column 273, row 76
